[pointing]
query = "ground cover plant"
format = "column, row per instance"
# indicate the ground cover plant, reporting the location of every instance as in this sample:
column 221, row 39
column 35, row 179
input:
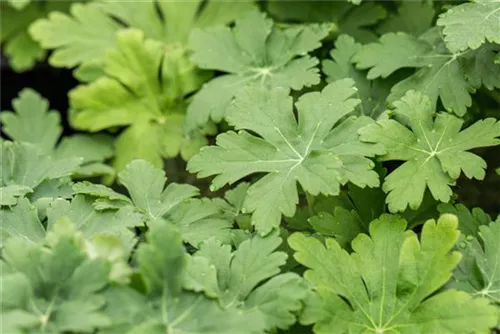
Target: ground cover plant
column 253, row 167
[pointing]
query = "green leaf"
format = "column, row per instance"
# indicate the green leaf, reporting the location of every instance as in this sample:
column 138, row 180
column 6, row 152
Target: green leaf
column 308, row 151
column 247, row 279
column 389, row 283
column 440, row 74
column 165, row 306
column 343, row 225
column 132, row 94
column 468, row 221
column 372, row 93
column 93, row 223
column 412, row 17
column 54, row 289
column 435, row 150
column 198, row 219
column 469, row 25
column 22, row 221
column 10, row 194
column 33, row 123
column 479, row 271
column 356, row 21
column 19, row 4
column 23, row 165
column 263, row 57
column 480, row 67
column 84, row 36
column 146, row 186
column 22, row 51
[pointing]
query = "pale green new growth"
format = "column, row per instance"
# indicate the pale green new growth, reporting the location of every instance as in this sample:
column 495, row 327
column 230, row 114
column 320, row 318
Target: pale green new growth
column 389, row 283
column 434, row 147
column 318, row 151
column 140, row 89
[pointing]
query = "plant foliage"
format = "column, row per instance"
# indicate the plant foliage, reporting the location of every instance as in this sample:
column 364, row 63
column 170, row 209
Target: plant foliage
column 245, row 167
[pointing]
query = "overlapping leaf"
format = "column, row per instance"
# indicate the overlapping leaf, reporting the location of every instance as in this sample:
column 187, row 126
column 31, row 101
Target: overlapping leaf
column 255, row 53
column 479, row 271
column 318, row 151
column 388, row 283
column 198, row 219
column 471, row 24
column 54, row 289
column 141, row 88
column 247, row 279
column 32, row 122
column 25, row 170
column 84, row 36
column 435, row 150
column 372, row 93
column 355, row 21
column 166, row 307
column 15, row 18
column 440, row 75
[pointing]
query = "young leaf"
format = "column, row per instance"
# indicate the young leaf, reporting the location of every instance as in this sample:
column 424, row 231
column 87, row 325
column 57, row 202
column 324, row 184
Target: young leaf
column 132, row 94
column 388, row 284
column 468, row 221
column 479, row 271
column 435, row 150
column 318, row 151
column 471, row 24
column 255, row 53
column 246, row 279
column 165, row 306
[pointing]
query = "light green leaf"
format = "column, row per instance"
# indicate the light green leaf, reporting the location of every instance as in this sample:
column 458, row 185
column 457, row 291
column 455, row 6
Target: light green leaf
column 434, row 148
column 469, row 25
column 262, row 57
column 308, row 151
column 132, row 94
column 389, row 283
column 246, row 279
column 468, row 221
